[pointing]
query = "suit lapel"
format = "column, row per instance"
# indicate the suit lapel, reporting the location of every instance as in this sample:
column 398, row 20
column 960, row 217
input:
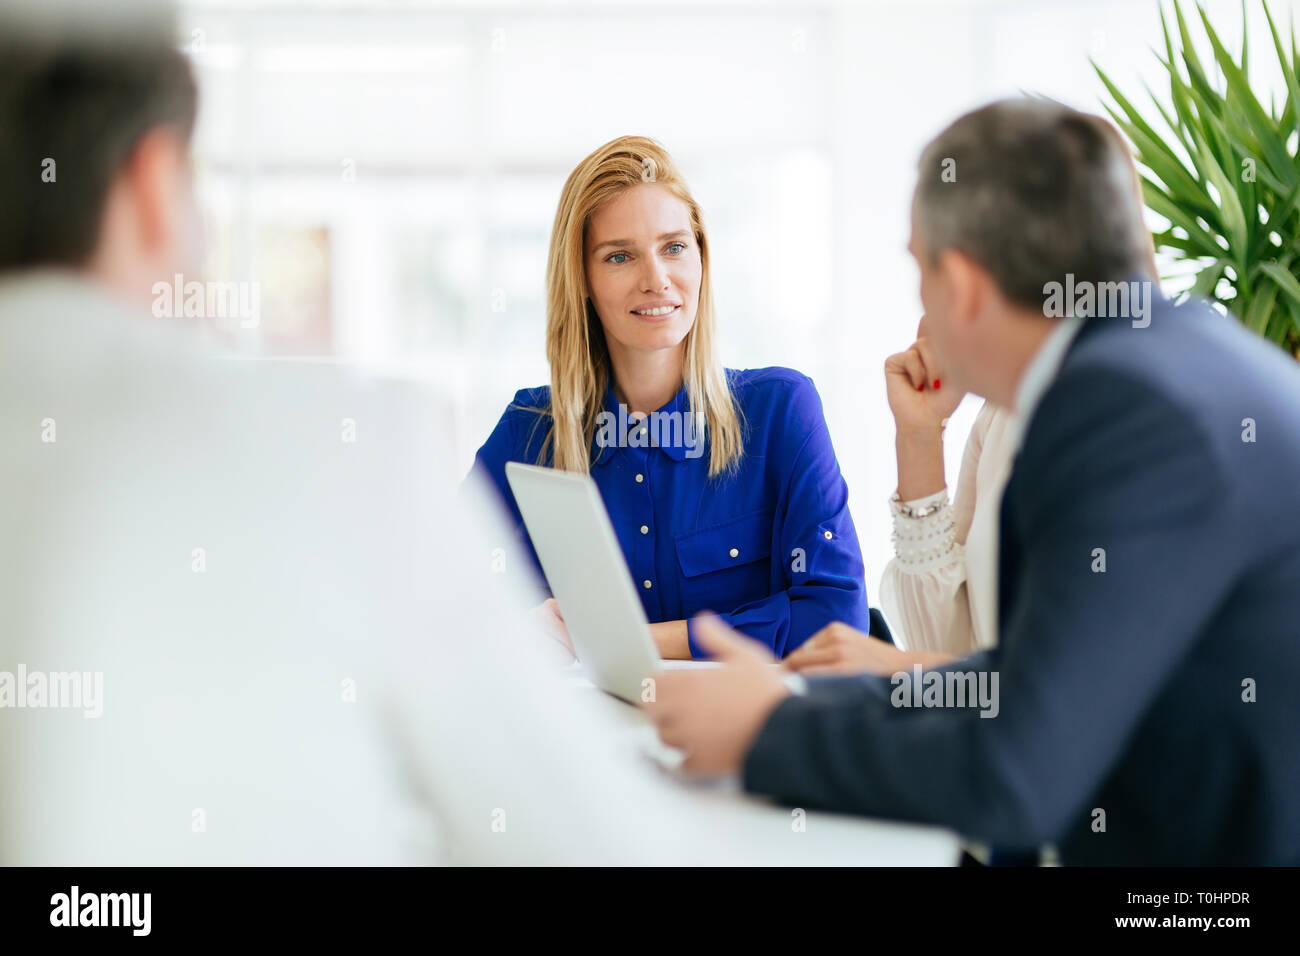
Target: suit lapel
column 1009, row 549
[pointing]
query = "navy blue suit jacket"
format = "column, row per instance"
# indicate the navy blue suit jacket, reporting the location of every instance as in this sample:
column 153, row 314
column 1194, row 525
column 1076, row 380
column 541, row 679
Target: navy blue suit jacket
column 1148, row 713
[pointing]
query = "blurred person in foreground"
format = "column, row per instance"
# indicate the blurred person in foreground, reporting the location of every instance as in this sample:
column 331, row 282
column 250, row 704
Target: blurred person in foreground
column 1144, row 694
column 221, row 644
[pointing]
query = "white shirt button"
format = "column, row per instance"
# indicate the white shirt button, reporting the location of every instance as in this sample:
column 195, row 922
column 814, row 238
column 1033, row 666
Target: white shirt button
column 646, row 584
column 645, row 529
column 640, row 478
column 734, row 553
column 827, row 535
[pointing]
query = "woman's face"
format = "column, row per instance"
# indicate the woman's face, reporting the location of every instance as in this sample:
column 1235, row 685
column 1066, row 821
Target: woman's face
column 643, row 269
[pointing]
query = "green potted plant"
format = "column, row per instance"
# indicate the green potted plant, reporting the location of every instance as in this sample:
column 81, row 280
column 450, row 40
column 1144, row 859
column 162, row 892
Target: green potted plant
column 1223, row 171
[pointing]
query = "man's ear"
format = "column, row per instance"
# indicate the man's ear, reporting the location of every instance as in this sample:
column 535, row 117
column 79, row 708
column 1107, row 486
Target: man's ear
column 155, row 175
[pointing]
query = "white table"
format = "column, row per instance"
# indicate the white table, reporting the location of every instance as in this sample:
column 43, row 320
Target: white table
column 776, row 835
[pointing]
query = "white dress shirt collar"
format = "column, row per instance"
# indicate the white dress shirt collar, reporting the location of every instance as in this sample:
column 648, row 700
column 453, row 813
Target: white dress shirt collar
column 1042, row 369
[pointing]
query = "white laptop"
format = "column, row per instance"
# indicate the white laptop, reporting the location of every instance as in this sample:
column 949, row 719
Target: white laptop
column 585, row 569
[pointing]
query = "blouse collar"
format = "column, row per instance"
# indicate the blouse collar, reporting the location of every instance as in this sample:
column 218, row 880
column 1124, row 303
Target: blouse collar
column 668, row 423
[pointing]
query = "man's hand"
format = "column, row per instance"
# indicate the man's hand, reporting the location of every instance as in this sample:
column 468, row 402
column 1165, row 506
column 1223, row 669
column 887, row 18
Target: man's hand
column 839, row 649
column 714, row 715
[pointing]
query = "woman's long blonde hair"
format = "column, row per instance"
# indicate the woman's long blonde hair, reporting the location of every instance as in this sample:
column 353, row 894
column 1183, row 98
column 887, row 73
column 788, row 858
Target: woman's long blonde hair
column 575, row 339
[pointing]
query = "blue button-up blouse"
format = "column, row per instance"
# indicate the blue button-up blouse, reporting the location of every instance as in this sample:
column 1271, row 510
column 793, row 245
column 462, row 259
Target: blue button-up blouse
column 770, row 548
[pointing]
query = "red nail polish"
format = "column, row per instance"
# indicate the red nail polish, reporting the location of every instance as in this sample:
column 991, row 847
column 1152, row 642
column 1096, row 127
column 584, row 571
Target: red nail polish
column 936, row 383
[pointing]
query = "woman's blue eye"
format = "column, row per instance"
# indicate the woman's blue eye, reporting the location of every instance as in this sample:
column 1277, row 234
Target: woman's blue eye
column 673, row 248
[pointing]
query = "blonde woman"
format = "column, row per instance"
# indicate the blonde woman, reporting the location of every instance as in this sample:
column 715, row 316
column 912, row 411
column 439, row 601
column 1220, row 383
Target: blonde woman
column 722, row 485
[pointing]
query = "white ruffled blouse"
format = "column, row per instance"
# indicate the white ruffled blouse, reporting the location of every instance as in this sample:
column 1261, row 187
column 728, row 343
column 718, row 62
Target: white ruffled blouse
column 939, row 592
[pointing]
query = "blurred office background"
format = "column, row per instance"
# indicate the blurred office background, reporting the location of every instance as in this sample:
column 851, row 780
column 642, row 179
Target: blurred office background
column 388, row 171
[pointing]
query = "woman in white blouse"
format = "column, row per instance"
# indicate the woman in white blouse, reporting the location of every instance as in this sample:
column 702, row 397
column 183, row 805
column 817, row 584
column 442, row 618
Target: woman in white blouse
column 940, row 590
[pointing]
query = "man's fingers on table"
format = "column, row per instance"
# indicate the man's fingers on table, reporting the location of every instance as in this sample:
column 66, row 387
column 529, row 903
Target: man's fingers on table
column 833, row 634
column 803, row 659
